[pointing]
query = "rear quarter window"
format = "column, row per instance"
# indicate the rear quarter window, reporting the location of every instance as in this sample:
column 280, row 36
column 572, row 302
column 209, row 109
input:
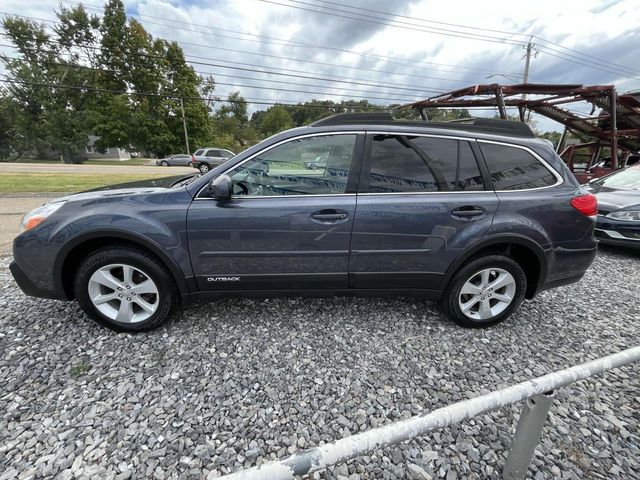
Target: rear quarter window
column 199, row 152
column 513, row 168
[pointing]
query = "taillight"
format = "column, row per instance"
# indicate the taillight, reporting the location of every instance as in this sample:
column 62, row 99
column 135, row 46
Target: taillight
column 193, row 158
column 586, row 204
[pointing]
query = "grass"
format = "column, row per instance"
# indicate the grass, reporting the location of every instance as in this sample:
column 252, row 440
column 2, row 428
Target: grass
column 131, row 161
column 66, row 182
column 79, row 369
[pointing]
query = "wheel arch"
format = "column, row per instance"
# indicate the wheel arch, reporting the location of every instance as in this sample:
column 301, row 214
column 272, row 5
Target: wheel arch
column 528, row 254
column 68, row 259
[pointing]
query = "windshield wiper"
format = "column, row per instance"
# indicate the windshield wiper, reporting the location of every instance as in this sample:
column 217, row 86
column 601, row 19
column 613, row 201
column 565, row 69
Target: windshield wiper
column 186, row 181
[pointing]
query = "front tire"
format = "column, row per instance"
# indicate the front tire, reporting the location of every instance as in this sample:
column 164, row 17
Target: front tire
column 203, row 167
column 164, row 163
column 125, row 289
column 484, row 292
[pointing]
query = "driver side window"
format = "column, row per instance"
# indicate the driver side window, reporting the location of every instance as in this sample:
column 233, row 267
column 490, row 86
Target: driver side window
column 316, row 165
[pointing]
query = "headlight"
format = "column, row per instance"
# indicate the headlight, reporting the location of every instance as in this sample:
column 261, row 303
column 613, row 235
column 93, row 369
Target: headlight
column 37, row 216
column 625, row 215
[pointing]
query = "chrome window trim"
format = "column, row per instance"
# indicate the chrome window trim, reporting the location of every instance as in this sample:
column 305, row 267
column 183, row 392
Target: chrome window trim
column 558, row 177
column 286, row 140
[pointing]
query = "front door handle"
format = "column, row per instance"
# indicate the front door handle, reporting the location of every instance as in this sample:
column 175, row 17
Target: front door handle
column 329, row 215
column 467, row 211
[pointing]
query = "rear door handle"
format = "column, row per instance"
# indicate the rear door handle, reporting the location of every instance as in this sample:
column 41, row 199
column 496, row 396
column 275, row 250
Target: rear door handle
column 467, row 211
column 329, row 215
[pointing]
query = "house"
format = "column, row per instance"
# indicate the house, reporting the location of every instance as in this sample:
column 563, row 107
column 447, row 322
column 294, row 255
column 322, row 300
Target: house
column 110, row 153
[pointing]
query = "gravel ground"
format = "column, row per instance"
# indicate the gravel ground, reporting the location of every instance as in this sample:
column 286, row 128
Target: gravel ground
column 241, row 381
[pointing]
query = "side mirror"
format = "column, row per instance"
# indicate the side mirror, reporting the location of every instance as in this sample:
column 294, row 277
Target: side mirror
column 220, row 188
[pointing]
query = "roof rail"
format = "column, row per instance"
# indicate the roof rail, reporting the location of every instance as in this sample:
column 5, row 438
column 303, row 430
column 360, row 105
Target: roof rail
column 482, row 125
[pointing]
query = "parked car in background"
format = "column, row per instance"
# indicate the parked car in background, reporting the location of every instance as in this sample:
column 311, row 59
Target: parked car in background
column 478, row 216
column 618, row 195
column 318, row 162
column 178, row 160
column 205, row 159
column 606, row 162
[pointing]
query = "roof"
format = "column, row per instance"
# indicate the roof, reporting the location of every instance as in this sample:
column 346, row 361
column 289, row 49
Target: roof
column 478, row 125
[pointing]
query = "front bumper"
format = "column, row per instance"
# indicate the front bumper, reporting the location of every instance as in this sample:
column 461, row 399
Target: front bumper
column 28, row 286
column 613, row 232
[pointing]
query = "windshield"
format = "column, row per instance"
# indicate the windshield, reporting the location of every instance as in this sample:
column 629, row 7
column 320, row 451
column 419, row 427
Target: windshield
column 628, row 179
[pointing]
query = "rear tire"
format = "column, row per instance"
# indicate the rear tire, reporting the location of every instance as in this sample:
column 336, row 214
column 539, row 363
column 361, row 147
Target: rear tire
column 485, row 291
column 204, row 168
column 125, row 289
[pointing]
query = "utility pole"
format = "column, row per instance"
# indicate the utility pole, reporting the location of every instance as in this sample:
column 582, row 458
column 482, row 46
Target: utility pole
column 525, row 76
column 184, row 124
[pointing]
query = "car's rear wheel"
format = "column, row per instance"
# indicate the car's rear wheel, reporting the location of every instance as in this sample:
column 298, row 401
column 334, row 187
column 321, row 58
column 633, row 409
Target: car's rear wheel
column 164, row 163
column 125, row 289
column 485, row 291
column 203, row 167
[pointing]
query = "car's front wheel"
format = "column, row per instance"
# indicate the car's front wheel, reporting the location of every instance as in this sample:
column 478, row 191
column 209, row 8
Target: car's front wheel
column 125, row 289
column 203, row 167
column 485, row 291
column 164, row 163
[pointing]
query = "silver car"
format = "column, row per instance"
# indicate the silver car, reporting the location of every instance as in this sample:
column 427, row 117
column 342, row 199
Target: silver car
column 207, row 158
column 178, row 160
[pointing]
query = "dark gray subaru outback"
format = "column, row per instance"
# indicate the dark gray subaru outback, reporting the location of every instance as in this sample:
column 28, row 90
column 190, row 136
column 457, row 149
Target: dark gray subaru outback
column 477, row 215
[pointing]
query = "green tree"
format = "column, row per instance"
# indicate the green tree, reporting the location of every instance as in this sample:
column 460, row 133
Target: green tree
column 52, row 118
column 275, row 119
column 113, row 79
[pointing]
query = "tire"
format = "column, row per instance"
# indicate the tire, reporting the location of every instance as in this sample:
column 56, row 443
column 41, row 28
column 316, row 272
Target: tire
column 485, row 307
column 164, row 163
column 203, row 167
column 91, row 282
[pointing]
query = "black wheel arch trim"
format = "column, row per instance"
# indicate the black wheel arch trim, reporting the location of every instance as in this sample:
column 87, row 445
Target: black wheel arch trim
column 176, row 272
column 498, row 240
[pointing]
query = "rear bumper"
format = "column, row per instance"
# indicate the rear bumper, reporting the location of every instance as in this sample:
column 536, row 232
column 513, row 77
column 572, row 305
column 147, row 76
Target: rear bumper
column 29, row 287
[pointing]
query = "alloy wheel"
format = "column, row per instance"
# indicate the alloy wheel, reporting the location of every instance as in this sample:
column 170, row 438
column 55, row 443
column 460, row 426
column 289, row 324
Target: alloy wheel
column 123, row 293
column 487, row 293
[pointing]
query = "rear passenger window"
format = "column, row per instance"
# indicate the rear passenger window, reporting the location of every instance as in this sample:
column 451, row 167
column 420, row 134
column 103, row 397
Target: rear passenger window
column 513, row 168
column 401, row 163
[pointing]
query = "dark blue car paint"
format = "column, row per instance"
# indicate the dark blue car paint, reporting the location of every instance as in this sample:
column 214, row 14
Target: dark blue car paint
column 400, row 242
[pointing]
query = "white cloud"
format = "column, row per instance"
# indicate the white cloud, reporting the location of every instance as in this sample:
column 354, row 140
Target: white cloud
column 603, row 29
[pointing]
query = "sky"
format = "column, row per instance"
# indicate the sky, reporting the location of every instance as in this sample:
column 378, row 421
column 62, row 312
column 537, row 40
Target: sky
column 389, row 52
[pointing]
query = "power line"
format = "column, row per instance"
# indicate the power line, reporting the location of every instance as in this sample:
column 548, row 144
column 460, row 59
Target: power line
column 398, row 100
column 394, row 23
column 247, row 100
column 503, row 32
column 255, row 69
column 559, row 54
column 287, row 42
column 280, row 72
column 326, row 64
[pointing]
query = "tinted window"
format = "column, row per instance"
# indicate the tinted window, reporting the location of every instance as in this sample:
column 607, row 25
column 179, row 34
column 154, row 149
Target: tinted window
column 198, row 152
column 213, row 153
column 513, row 168
column 422, row 164
column 284, row 170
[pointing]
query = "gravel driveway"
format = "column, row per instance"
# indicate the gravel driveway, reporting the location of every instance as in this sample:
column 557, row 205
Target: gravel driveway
column 241, row 381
